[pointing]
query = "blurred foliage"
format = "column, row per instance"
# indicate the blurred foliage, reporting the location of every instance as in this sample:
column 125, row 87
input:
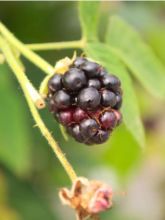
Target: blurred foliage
column 30, row 175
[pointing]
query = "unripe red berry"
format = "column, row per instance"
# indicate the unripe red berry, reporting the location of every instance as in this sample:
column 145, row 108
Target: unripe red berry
column 108, row 120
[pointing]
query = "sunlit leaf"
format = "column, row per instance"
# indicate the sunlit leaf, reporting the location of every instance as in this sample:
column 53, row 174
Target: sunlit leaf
column 122, row 152
column 89, row 12
column 15, row 138
column 137, row 55
column 28, row 201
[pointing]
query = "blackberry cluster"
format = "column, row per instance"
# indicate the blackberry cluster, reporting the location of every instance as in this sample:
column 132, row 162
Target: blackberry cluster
column 86, row 99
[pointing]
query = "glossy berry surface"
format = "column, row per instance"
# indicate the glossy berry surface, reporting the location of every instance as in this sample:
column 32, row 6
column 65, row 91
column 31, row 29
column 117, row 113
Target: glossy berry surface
column 108, row 120
column 94, row 83
column 79, row 114
column 61, row 99
column 108, row 98
column 91, row 69
column 74, row 79
column 66, row 117
column 89, row 98
column 76, row 133
column 118, row 101
column 88, row 128
column 101, row 136
column 79, row 61
column 86, row 100
column 55, row 83
column 111, row 82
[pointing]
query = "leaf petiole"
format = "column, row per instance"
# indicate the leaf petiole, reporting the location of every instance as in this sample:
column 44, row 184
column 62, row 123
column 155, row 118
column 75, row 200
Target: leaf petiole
column 79, row 44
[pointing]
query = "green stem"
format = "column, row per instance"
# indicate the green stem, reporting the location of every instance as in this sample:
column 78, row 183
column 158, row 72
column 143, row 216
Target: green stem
column 79, row 44
column 34, row 58
column 44, row 130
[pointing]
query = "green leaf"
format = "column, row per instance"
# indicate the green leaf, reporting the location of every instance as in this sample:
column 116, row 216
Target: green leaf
column 122, row 151
column 103, row 54
column 89, row 13
column 15, row 138
column 29, row 201
column 137, row 55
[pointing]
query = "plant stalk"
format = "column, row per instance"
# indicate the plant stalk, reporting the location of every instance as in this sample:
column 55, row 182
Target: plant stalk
column 79, row 44
column 17, row 70
column 33, row 57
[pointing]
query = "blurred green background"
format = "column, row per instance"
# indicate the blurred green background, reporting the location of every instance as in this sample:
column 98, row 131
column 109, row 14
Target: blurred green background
column 30, row 175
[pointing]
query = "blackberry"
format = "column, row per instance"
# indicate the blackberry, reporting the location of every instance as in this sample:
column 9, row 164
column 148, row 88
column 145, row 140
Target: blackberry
column 62, row 99
column 79, row 61
column 101, row 136
column 108, row 120
column 74, row 79
column 102, row 72
column 79, row 115
column 52, row 105
column 94, row 83
column 108, row 98
column 91, row 69
column 88, row 128
column 76, row 133
column 66, row 117
column 111, row 82
column 89, row 98
column 55, row 83
column 86, row 100
column 118, row 101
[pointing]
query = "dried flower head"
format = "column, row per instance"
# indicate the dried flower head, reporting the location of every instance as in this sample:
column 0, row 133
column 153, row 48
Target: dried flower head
column 88, row 198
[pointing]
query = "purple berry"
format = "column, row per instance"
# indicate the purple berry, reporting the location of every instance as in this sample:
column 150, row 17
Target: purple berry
column 54, row 83
column 94, row 83
column 101, row 136
column 79, row 61
column 74, row 79
column 91, row 69
column 108, row 120
column 103, row 72
column 88, row 128
column 118, row 101
column 76, row 133
column 108, row 98
column 89, row 98
column 66, row 117
column 51, row 105
column 111, row 82
column 119, row 117
column 62, row 99
column 79, row 115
